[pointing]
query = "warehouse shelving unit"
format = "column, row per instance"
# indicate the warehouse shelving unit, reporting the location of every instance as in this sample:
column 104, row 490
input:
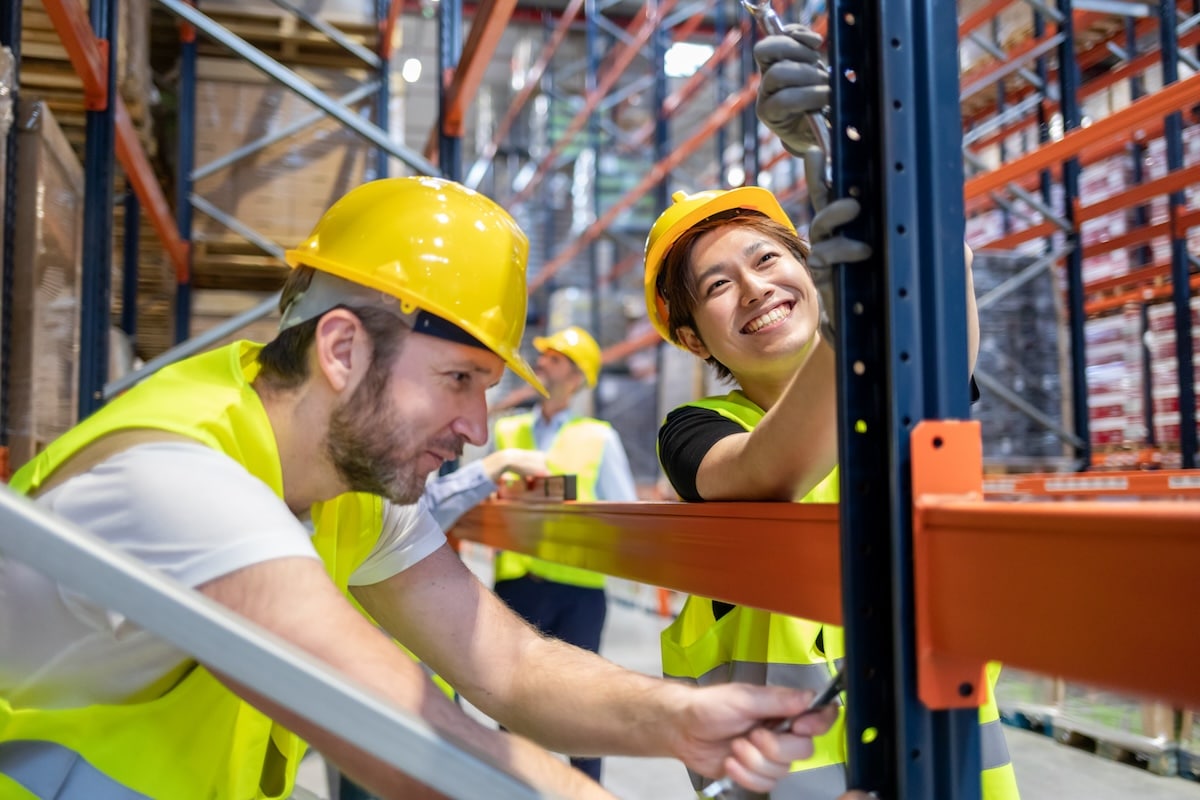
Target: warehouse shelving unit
column 915, row 528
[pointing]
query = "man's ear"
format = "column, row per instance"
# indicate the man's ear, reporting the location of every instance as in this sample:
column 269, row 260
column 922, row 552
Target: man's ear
column 691, row 340
column 342, row 349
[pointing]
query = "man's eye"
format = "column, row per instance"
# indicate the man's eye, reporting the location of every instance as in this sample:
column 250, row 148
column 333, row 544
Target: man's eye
column 717, row 284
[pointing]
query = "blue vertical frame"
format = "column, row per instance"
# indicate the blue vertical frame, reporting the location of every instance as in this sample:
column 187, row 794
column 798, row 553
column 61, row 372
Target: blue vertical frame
column 96, row 284
column 901, row 358
column 1180, row 266
column 186, row 112
column 129, row 261
column 1068, row 103
column 10, row 37
column 450, row 46
column 384, row 96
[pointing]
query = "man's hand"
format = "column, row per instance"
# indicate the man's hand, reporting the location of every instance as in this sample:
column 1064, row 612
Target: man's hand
column 793, row 85
column 826, row 248
column 526, row 463
column 725, row 730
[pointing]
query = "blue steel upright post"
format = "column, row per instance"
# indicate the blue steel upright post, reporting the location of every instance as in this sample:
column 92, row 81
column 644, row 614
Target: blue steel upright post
column 902, row 357
column 96, row 289
column 10, row 37
column 450, row 47
column 186, row 115
column 591, row 82
column 1068, row 103
column 129, row 259
column 383, row 98
column 1180, row 265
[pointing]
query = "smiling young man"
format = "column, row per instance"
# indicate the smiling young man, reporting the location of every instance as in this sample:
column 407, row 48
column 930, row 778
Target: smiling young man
column 406, row 303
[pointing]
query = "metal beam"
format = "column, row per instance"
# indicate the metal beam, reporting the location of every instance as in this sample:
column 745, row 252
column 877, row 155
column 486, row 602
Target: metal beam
column 247, row 653
column 349, row 99
column 276, row 71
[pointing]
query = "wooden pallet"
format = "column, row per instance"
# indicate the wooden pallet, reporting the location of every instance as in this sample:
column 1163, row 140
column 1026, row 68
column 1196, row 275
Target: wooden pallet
column 281, row 36
column 1153, row 755
column 231, row 263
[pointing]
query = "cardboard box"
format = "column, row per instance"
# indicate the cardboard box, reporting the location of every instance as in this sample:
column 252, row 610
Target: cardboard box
column 44, row 388
column 279, row 191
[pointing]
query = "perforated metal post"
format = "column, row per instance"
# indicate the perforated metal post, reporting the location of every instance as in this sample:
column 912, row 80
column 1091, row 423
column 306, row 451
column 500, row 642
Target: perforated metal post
column 901, row 358
column 184, row 178
column 96, row 284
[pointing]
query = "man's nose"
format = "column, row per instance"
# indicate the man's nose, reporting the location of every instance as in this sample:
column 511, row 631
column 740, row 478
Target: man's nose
column 471, row 425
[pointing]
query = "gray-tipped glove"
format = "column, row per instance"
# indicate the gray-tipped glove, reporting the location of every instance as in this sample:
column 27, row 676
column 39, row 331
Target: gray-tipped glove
column 793, row 85
column 828, row 249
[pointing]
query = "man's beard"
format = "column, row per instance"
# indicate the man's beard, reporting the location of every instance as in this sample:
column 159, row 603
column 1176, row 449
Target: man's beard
column 372, row 448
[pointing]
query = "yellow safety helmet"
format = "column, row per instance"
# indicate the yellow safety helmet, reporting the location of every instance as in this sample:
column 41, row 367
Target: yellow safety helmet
column 576, row 344
column 436, row 246
column 685, row 211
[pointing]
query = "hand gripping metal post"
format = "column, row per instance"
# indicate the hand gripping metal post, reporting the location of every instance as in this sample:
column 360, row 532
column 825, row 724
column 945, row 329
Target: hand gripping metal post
column 772, row 25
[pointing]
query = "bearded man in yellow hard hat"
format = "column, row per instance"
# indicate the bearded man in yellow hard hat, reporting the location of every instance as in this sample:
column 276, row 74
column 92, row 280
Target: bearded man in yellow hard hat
column 404, row 306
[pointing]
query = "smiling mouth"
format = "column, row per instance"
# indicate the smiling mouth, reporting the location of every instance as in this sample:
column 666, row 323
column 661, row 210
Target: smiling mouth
column 776, row 314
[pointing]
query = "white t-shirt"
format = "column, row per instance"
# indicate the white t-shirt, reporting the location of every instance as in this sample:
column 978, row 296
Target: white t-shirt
column 191, row 512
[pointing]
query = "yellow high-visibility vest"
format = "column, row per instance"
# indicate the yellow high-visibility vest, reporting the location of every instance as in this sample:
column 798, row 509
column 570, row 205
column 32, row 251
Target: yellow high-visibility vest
column 764, row 648
column 578, row 449
column 199, row 740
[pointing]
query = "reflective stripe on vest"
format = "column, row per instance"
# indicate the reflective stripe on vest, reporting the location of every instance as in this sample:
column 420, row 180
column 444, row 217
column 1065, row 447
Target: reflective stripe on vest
column 759, row 647
column 49, row 770
column 577, row 449
column 199, row 740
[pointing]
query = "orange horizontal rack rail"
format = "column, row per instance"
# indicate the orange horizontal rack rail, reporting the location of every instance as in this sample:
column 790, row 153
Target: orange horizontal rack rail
column 1100, row 592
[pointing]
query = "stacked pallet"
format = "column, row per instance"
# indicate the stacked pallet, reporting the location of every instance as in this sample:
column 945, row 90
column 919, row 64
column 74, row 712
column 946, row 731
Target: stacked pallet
column 47, row 75
column 281, row 190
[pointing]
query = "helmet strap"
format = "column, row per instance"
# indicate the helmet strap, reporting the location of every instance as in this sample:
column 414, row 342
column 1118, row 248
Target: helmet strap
column 327, row 291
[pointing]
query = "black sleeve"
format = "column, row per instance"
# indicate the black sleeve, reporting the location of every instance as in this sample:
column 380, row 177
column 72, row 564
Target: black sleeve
column 684, row 440
column 974, row 391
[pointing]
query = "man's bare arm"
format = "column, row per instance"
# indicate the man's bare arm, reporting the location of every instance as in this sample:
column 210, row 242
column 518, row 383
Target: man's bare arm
column 295, row 599
column 569, row 699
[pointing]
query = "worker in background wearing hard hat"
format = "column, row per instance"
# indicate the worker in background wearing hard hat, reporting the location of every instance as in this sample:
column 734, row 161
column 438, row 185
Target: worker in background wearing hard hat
column 565, row 602
column 728, row 279
column 403, row 307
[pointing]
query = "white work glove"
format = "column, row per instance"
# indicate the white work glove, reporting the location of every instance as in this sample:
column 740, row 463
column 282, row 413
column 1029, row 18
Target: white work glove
column 826, row 248
column 793, row 85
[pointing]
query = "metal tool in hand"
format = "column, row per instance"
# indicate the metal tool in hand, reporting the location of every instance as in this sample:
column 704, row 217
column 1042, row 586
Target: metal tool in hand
column 826, row 696
column 772, row 25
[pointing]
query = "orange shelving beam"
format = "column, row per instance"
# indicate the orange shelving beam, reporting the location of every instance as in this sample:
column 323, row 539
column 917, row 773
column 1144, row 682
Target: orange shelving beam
column 1121, row 125
column 487, row 28
column 89, row 57
column 684, row 546
column 1100, row 592
column 731, row 106
column 1172, row 483
column 619, row 59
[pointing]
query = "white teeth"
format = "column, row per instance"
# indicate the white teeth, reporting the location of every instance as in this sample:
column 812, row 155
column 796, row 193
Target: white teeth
column 774, row 315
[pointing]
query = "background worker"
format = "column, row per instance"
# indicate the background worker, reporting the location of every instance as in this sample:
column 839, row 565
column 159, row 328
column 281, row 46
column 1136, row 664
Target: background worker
column 404, row 305
column 564, row 602
column 729, row 279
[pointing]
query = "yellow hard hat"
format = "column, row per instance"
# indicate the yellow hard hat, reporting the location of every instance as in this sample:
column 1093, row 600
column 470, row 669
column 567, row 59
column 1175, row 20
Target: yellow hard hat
column 685, row 211
column 436, row 246
column 576, row 344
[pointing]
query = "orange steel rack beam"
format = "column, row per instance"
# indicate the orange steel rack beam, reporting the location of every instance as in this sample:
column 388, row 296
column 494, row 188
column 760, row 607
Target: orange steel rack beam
column 1176, row 483
column 1096, row 592
column 89, row 56
column 778, row 556
column 1121, row 125
column 620, row 58
column 461, row 87
column 731, row 106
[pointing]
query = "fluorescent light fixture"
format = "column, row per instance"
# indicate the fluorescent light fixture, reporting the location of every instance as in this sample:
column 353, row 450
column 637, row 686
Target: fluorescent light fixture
column 411, row 71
